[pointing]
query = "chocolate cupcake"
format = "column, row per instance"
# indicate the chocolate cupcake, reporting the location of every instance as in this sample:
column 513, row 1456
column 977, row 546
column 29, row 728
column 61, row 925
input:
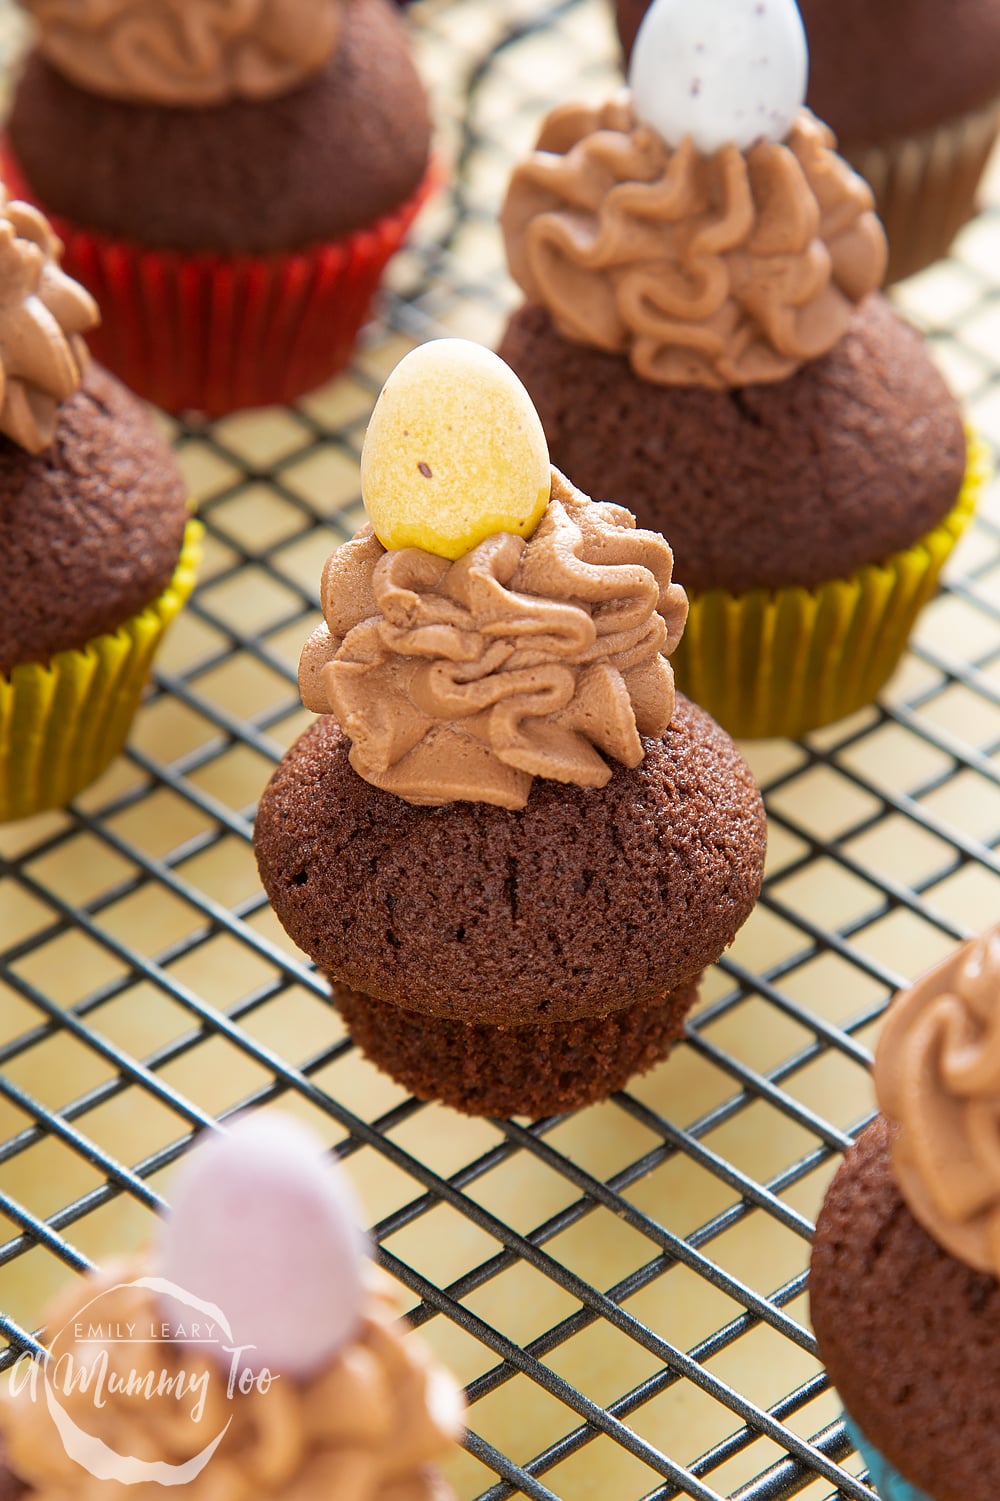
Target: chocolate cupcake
column 913, row 97
column 252, row 1352
column 702, row 343
column 250, row 172
column 97, row 553
column 905, row 1283
column 508, row 848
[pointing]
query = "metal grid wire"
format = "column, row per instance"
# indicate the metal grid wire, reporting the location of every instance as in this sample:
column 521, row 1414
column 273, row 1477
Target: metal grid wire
column 141, row 900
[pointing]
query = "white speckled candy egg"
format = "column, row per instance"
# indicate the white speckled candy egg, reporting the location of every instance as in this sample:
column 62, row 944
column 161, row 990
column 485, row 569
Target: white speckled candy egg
column 721, row 71
column 454, row 452
column 266, row 1226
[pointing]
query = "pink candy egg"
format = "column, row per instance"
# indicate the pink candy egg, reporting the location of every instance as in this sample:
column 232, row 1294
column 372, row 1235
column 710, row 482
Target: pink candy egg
column 266, row 1227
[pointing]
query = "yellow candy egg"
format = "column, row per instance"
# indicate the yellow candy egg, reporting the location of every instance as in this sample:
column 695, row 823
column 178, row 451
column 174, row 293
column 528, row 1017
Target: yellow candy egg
column 454, row 452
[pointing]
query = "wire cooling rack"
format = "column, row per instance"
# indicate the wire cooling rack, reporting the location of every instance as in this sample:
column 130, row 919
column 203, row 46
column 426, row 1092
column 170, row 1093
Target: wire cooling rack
column 622, row 1290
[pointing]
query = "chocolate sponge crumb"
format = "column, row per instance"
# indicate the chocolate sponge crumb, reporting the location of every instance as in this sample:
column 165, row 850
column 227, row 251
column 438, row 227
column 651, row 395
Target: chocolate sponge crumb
column 249, row 176
column 542, row 1070
column 877, row 72
column 91, row 528
column 910, row 1335
column 798, row 482
column 584, row 902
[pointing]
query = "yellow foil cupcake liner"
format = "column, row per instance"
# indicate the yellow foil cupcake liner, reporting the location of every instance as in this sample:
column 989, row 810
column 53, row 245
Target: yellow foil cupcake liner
column 786, row 661
column 62, row 724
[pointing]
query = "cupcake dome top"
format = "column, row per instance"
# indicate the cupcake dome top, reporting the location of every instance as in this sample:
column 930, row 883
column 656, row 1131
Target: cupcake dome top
column 937, row 1076
column 187, row 53
column 43, row 317
column 878, row 70
column 900, row 67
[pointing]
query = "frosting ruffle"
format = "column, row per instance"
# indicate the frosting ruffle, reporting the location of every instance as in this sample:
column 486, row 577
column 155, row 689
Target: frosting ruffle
column 937, row 1074
column 187, row 52
column 43, row 315
column 718, row 271
column 466, row 680
column 366, row 1428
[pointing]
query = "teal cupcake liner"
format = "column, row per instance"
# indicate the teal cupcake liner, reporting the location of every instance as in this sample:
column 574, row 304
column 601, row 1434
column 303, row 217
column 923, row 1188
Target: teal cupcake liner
column 888, row 1482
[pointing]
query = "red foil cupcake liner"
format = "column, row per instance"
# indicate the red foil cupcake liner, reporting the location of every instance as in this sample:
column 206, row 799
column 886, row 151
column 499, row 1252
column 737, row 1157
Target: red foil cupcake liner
column 216, row 333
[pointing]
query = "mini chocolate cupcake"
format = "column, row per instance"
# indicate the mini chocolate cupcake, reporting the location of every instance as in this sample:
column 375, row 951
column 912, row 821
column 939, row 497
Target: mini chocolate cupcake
column 905, row 1283
column 912, row 93
column 253, row 1352
column 97, row 554
column 702, row 344
column 505, row 844
column 251, row 168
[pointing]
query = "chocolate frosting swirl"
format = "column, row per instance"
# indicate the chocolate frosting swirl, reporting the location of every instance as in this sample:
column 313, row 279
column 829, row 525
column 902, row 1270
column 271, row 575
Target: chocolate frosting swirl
column 466, row 680
column 716, row 271
column 937, row 1074
column 365, row 1428
column 187, row 53
column 43, row 315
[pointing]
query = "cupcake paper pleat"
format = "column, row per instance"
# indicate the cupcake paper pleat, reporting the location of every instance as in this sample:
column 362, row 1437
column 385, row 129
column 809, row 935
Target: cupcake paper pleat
column 62, row 724
column 925, row 186
column 217, row 333
column 785, row 661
